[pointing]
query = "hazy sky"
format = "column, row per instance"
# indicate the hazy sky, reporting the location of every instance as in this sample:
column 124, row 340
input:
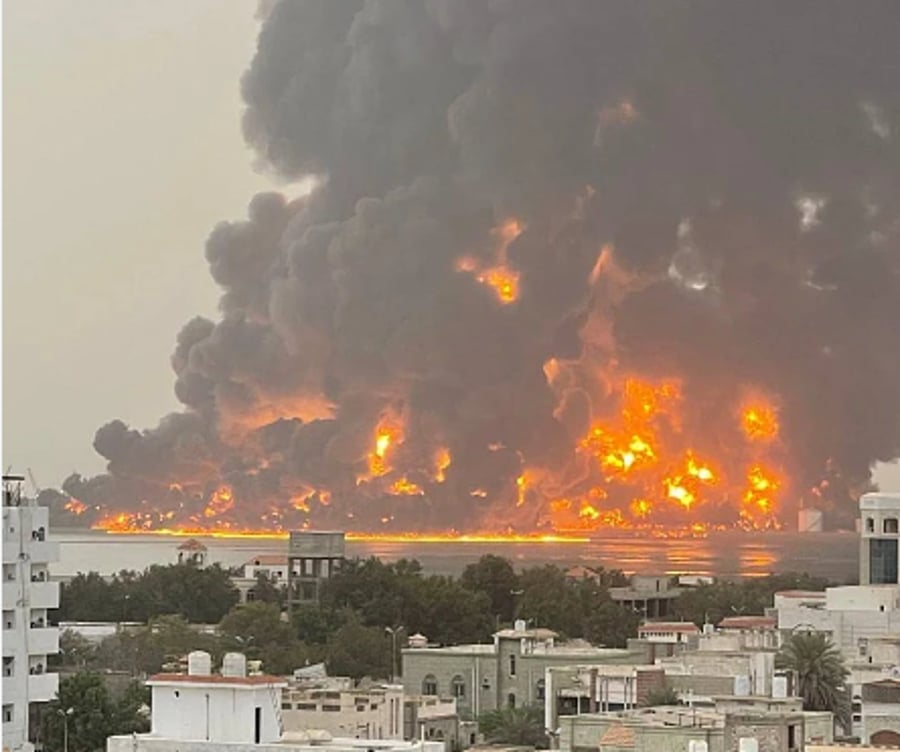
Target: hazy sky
column 122, row 149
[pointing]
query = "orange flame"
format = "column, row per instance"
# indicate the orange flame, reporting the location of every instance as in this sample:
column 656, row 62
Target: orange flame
column 220, row 502
column 75, row 507
column 442, row 460
column 759, row 420
column 404, row 487
column 500, row 277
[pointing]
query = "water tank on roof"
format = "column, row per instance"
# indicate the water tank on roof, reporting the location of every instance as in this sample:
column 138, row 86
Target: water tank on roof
column 520, row 625
column 742, row 685
column 418, row 641
column 199, row 663
column 698, row 745
column 748, row 744
column 234, row 664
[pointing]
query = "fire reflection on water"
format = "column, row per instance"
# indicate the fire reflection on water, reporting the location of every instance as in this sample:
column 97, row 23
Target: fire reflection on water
column 722, row 554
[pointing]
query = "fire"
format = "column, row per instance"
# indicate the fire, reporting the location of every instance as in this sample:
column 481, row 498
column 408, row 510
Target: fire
column 500, row 276
column 388, row 434
column 75, row 507
column 404, row 487
column 220, row 502
column 442, row 460
column 759, row 420
column 759, row 497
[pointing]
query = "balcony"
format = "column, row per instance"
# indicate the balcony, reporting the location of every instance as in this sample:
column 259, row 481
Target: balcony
column 43, row 594
column 42, row 687
column 43, row 641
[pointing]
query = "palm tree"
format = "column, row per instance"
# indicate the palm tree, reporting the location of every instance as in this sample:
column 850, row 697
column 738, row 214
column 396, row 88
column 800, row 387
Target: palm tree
column 519, row 726
column 820, row 671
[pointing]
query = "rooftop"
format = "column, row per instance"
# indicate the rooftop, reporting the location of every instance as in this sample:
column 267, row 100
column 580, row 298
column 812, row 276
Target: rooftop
column 259, row 680
column 819, row 594
column 748, row 622
column 268, row 560
column 192, row 544
column 687, row 627
column 537, row 633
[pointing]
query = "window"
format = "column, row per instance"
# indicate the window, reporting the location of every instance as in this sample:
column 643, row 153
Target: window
column 285, row 706
column 458, row 687
column 486, row 683
column 331, row 708
column 430, row 685
column 890, row 525
column 9, row 572
column 305, row 706
column 9, row 619
column 870, row 525
column 511, row 699
column 9, row 665
column 512, row 664
column 540, row 689
column 792, row 737
column 883, row 562
column 7, row 713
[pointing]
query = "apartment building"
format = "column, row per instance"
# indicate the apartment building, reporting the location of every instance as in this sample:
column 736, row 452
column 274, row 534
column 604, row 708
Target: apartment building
column 28, row 594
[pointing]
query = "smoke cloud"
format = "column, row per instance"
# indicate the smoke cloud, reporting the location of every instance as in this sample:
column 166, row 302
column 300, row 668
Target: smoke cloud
column 518, row 204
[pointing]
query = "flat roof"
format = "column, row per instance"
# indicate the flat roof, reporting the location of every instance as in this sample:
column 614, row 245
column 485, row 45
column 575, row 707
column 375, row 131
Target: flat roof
column 669, row 626
column 258, row 680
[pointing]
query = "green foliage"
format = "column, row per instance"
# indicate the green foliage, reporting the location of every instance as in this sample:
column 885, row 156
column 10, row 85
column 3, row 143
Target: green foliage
column 575, row 608
column 267, row 590
column 357, row 651
column 721, row 599
column 661, row 696
column 820, row 671
column 519, row 726
column 259, row 631
column 314, row 625
column 91, row 714
column 495, row 577
column 200, row 595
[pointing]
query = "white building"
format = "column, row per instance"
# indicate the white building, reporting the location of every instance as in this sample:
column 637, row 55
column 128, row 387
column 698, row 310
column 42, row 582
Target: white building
column 334, row 705
column 879, row 558
column 28, row 594
column 270, row 565
column 234, row 712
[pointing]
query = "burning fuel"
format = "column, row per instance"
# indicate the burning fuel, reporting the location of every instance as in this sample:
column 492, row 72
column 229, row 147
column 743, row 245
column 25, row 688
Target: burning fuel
column 565, row 267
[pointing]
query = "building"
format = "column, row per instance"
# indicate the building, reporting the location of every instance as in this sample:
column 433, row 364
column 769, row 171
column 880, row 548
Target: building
column 437, row 719
column 668, row 632
column 313, row 557
column 233, row 711
column 880, row 710
column 28, row 594
column 650, row 595
column 571, row 690
column 273, row 566
column 506, row 673
column 879, row 556
column 192, row 552
column 668, row 727
column 335, row 705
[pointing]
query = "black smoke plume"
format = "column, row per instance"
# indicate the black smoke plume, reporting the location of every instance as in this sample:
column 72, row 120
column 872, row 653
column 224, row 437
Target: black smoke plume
column 739, row 161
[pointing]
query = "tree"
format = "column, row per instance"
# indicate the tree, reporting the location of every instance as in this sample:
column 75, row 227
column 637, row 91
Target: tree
column 132, row 715
column 258, row 630
column 519, row 726
column 267, row 590
column 495, row 577
column 356, row 650
column 661, row 696
column 84, row 701
column 74, row 650
column 820, row 671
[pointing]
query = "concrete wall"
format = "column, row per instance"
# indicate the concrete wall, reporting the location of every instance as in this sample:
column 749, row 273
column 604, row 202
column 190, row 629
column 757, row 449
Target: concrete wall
column 583, row 734
column 146, row 743
column 359, row 714
column 218, row 713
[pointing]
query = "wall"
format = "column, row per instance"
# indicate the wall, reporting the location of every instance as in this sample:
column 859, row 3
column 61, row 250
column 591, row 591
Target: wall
column 359, row 714
column 213, row 712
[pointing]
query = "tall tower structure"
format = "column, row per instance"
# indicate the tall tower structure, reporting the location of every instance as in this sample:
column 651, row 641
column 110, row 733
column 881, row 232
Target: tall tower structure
column 28, row 595
column 313, row 558
column 879, row 546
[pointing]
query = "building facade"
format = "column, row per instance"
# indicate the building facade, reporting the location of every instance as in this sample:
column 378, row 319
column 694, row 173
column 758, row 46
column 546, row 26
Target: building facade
column 313, row 557
column 508, row 673
column 28, row 594
column 879, row 555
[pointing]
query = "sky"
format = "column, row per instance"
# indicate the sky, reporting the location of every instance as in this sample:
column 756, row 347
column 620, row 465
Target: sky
column 122, row 149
